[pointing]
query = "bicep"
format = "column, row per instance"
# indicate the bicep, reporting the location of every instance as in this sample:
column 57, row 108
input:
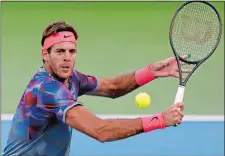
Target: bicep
column 116, row 86
column 105, row 88
column 87, row 83
column 91, row 85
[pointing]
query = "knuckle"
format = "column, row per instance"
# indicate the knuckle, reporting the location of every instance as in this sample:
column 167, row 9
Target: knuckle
column 173, row 108
column 174, row 115
column 174, row 119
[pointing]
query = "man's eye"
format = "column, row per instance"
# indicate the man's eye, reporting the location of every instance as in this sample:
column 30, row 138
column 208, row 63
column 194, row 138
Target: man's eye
column 73, row 51
column 59, row 51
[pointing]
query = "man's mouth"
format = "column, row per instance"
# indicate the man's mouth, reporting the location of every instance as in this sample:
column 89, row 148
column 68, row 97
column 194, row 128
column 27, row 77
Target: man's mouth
column 65, row 67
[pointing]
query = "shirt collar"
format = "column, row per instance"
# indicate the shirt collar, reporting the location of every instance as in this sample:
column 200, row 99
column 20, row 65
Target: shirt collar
column 43, row 71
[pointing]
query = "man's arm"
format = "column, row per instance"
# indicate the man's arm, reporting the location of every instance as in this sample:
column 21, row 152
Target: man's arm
column 105, row 130
column 115, row 87
column 125, row 83
column 102, row 130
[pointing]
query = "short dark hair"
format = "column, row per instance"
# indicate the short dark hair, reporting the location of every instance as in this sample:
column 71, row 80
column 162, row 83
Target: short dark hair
column 56, row 27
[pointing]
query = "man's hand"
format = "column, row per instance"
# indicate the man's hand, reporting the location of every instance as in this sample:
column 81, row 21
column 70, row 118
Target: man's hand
column 174, row 115
column 167, row 67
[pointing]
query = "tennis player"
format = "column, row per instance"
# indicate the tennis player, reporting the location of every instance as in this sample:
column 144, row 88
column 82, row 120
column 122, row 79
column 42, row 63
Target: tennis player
column 49, row 108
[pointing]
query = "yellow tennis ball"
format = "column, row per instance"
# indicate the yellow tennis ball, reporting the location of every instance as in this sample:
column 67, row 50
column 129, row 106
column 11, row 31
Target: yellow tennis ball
column 143, row 100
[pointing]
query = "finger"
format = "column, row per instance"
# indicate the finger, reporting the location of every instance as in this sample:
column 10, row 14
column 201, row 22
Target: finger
column 186, row 70
column 184, row 56
column 175, row 114
column 176, row 75
column 182, row 63
column 180, row 118
column 179, row 105
column 172, row 59
column 169, row 60
column 174, row 110
column 182, row 107
column 178, row 121
column 180, row 114
column 183, row 70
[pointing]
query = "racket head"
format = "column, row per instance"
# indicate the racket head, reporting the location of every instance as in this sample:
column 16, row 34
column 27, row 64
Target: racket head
column 184, row 36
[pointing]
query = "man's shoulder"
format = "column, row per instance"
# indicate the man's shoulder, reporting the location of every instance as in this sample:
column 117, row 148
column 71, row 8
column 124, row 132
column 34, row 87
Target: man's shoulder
column 76, row 73
column 76, row 76
column 79, row 75
column 37, row 81
column 33, row 87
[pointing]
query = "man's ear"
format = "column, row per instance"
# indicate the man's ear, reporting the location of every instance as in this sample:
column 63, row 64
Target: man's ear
column 44, row 55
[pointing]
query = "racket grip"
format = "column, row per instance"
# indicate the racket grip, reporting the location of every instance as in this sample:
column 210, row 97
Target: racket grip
column 180, row 94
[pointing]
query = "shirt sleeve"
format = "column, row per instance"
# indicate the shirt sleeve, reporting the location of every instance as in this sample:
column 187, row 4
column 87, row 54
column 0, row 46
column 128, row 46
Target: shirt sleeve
column 87, row 83
column 54, row 97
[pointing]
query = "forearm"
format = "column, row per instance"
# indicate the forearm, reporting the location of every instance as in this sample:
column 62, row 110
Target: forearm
column 124, row 83
column 116, row 129
column 106, row 130
column 102, row 129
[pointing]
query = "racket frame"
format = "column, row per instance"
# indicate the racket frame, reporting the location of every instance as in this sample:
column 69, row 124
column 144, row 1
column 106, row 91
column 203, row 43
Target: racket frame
column 179, row 58
column 181, row 88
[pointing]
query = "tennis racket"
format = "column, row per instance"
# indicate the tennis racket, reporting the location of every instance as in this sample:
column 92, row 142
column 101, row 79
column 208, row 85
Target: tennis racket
column 195, row 31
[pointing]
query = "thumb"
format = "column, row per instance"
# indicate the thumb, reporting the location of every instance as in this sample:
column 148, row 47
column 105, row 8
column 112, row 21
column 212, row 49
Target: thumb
column 179, row 104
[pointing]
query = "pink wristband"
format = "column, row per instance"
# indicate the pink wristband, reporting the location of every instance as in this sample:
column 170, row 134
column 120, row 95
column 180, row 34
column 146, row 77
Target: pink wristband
column 144, row 75
column 156, row 121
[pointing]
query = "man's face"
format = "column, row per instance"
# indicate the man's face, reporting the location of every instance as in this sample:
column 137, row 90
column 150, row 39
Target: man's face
column 61, row 59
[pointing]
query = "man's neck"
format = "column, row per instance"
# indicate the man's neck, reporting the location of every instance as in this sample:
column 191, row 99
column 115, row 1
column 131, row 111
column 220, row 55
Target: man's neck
column 48, row 69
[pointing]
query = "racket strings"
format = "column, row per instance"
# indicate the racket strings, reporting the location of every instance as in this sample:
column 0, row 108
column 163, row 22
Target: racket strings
column 196, row 31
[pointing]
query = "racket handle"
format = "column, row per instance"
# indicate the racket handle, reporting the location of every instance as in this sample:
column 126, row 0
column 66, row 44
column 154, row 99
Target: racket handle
column 179, row 96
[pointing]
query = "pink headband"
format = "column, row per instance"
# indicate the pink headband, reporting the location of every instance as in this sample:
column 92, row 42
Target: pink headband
column 63, row 36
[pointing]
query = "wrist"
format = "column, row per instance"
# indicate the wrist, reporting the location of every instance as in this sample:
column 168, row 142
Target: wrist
column 144, row 75
column 153, row 122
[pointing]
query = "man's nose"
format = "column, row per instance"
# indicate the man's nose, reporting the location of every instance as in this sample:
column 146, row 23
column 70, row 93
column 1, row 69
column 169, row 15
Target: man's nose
column 67, row 56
